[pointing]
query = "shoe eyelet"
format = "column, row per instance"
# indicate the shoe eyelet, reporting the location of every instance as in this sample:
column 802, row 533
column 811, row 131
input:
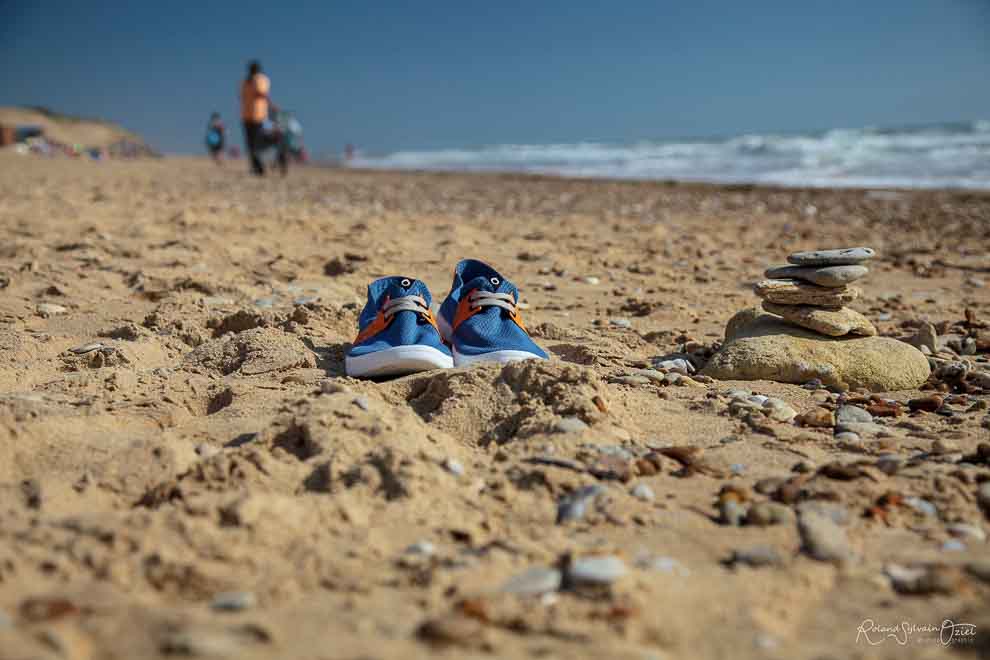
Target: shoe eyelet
column 495, row 281
column 405, row 282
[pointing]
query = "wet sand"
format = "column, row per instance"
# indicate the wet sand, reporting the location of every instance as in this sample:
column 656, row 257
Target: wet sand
column 205, row 482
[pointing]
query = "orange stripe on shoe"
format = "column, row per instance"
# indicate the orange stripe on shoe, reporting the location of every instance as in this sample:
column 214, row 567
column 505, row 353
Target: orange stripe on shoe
column 465, row 310
column 377, row 325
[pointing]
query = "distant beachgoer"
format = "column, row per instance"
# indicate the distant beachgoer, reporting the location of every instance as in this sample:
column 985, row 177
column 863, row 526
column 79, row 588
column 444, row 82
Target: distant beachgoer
column 349, row 152
column 215, row 137
column 255, row 107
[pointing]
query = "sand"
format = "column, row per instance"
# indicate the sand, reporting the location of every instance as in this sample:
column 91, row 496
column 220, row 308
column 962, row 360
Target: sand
column 207, row 483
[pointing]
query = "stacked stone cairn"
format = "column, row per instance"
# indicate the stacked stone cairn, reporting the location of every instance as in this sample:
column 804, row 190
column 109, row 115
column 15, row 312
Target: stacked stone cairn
column 813, row 290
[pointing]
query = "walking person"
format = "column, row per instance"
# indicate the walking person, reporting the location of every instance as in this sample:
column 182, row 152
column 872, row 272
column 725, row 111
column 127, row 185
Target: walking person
column 255, row 106
column 215, row 138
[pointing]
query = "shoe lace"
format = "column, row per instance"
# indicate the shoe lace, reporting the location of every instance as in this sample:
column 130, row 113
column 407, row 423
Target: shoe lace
column 479, row 299
column 405, row 304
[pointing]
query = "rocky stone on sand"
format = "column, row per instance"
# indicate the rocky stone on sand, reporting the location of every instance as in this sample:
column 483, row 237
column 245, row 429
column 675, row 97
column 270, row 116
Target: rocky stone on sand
column 760, row 346
column 534, row 581
column 827, row 276
column 575, row 506
column 822, row 538
column 927, row 337
column 796, row 292
column 817, row 418
column 852, row 415
column 839, row 257
column 756, row 556
column 594, row 571
column 831, row 322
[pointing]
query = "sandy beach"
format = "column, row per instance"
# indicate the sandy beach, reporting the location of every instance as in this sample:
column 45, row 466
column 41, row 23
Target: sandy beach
column 186, row 471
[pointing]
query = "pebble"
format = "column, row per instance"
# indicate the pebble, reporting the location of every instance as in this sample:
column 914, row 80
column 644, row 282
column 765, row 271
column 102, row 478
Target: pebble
column 929, row 403
column 362, row 403
column 649, row 562
column 827, row 276
column 838, row 257
column 779, row 410
column 630, row 380
column 265, row 303
column 953, row 545
column 814, row 384
column 575, row 506
column 86, row 348
column 822, row 539
column 643, row 492
column 679, row 365
column 848, row 438
column 756, row 556
column 595, row 571
column 738, row 469
column 852, row 415
column 764, row 514
column 454, row 466
column 570, row 425
column 591, row 279
column 534, row 581
column 817, row 418
column 46, row 310
column 421, row 548
column 964, row 531
column 731, row 512
column 620, row 323
column 922, row 506
column 795, row 292
column 233, row 601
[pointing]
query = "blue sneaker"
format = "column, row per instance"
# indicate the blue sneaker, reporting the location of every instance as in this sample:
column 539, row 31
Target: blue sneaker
column 480, row 318
column 398, row 333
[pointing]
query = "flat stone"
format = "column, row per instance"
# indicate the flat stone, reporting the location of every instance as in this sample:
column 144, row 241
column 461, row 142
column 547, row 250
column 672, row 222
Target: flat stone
column 822, row 538
column 574, row 506
column 757, row 556
column 86, row 348
column 47, row 310
column 760, row 346
column 831, row 322
column 595, row 570
column 779, row 410
column 796, row 292
column 828, row 276
column 233, row 601
column 570, row 425
column 852, row 415
column 535, row 581
column 838, row 257
column 643, row 492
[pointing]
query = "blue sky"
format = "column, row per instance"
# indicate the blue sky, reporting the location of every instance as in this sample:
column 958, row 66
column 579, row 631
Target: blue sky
column 399, row 75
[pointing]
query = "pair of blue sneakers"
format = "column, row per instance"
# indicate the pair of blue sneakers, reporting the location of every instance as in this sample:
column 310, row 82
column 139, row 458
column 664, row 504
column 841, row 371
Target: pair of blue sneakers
column 478, row 322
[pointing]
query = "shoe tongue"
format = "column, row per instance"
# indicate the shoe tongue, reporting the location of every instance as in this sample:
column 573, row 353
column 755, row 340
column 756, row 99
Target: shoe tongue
column 397, row 287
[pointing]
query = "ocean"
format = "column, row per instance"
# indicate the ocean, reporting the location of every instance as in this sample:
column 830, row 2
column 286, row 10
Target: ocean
column 950, row 155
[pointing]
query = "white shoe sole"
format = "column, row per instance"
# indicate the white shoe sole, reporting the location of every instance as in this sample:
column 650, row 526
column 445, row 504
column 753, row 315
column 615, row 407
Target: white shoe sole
column 500, row 357
column 396, row 361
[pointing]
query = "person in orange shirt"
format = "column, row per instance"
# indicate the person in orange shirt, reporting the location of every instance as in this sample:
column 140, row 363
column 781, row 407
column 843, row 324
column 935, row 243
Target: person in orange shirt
column 255, row 106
